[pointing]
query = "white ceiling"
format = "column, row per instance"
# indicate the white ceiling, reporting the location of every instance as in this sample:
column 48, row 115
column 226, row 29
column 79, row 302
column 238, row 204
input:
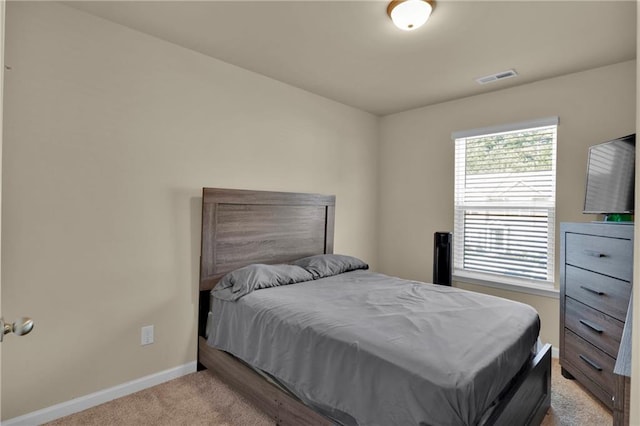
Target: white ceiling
column 350, row 51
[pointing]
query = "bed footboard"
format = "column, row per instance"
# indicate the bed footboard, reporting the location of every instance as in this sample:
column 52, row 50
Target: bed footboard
column 282, row 408
column 529, row 398
column 525, row 403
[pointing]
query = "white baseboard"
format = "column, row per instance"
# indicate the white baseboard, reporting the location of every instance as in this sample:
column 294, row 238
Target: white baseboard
column 82, row 403
column 555, row 352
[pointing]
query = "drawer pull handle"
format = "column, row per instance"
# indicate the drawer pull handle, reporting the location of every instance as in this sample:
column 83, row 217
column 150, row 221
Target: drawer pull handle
column 590, row 290
column 591, row 363
column 591, row 326
column 594, row 253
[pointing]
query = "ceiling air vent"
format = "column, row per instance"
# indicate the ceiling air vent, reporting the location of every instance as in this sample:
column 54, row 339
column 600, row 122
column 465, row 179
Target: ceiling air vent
column 497, row 76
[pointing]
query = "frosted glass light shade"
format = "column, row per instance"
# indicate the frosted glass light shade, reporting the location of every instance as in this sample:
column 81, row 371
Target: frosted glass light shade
column 409, row 15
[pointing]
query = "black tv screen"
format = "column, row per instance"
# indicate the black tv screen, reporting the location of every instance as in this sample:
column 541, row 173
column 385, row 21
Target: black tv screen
column 611, row 176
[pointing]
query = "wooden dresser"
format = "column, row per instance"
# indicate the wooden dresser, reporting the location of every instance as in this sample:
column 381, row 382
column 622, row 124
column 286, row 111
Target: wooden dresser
column 596, row 266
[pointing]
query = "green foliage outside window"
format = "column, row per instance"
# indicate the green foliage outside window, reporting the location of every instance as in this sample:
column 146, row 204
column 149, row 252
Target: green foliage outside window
column 515, row 152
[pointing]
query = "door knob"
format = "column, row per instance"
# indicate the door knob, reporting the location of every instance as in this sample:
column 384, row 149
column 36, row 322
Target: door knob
column 20, row 327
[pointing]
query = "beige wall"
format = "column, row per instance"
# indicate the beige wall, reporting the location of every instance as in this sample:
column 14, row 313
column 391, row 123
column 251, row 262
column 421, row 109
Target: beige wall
column 109, row 137
column 417, row 160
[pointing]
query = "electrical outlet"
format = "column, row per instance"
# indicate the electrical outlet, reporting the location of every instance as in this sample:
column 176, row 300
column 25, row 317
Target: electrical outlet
column 146, row 335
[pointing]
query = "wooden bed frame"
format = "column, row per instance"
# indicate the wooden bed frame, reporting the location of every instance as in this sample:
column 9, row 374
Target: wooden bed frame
column 241, row 227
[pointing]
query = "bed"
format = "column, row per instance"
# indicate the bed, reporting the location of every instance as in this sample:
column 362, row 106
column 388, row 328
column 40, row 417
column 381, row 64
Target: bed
column 240, row 228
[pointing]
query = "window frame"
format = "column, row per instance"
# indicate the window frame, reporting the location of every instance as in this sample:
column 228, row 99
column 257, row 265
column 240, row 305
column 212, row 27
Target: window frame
column 503, row 281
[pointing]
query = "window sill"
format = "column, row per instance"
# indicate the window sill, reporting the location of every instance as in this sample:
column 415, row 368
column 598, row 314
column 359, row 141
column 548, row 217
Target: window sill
column 520, row 287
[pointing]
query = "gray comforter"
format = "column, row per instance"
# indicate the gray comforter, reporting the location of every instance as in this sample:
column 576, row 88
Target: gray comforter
column 379, row 350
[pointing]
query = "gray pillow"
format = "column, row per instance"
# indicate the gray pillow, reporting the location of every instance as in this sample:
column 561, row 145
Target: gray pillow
column 327, row 265
column 243, row 281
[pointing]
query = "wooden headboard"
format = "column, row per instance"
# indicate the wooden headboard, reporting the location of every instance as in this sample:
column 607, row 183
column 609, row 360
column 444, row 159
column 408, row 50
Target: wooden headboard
column 241, row 227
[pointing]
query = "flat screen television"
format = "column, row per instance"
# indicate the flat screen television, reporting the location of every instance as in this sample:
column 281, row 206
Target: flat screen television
column 611, row 176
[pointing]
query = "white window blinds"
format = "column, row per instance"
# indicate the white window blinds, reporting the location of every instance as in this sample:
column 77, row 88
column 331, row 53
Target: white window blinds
column 505, row 201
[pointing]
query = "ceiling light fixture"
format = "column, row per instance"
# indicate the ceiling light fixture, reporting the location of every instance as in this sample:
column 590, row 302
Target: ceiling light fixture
column 409, row 15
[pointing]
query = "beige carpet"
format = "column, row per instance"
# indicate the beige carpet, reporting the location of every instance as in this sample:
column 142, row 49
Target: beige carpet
column 201, row 399
column 572, row 405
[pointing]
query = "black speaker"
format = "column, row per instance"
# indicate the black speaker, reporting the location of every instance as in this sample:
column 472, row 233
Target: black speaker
column 442, row 242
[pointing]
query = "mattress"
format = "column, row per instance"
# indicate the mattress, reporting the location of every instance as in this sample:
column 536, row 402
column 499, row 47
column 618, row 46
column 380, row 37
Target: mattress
column 369, row 349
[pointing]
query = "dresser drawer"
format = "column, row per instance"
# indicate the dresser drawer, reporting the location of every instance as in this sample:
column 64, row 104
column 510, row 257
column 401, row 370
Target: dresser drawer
column 592, row 362
column 606, row 294
column 597, row 328
column 605, row 255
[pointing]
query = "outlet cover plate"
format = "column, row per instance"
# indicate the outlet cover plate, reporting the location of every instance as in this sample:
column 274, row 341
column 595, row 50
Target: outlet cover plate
column 146, row 335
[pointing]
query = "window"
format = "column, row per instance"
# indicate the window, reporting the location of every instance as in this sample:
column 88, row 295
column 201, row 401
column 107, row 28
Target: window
column 504, row 214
